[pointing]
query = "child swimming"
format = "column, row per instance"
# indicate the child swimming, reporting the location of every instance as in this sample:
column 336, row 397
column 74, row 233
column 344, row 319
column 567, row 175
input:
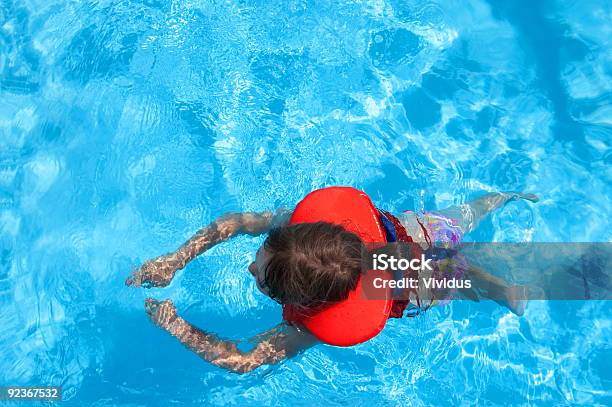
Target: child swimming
column 311, row 263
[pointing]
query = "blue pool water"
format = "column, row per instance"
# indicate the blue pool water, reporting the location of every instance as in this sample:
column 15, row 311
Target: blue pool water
column 127, row 125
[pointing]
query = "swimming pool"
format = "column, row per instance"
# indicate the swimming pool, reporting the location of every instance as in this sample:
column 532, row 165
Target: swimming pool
column 127, row 125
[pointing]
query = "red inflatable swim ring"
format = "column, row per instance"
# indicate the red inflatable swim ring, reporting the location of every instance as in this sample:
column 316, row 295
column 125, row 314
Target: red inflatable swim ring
column 356, row 319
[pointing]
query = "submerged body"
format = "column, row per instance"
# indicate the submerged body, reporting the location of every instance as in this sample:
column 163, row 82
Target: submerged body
column 444, row 228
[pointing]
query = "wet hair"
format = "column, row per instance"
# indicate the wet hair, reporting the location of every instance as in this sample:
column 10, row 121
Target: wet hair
column 312, row 264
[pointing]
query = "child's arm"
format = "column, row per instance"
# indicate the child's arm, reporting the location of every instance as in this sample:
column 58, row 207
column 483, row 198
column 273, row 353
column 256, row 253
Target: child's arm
column 280, row 343
column 158, row 272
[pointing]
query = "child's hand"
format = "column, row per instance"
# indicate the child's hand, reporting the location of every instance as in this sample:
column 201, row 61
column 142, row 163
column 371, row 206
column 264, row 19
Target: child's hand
column 161, row 313
column 157, row 272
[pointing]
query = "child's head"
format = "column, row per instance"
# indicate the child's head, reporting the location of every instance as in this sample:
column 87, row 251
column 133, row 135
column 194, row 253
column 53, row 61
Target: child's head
column 308, row 264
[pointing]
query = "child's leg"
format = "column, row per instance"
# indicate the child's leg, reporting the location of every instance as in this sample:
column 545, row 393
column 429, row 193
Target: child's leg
column 470, row 214
column 485, row 285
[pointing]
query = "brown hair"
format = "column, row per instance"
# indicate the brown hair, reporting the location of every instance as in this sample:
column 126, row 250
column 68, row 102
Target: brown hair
column 312, row 263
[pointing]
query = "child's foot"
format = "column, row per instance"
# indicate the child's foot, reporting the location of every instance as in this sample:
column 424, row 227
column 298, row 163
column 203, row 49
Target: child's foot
column 516, row 299
column 526, row 196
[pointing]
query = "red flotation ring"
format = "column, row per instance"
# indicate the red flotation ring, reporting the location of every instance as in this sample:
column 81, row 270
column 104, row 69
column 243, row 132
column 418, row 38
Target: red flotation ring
column 356, row 319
